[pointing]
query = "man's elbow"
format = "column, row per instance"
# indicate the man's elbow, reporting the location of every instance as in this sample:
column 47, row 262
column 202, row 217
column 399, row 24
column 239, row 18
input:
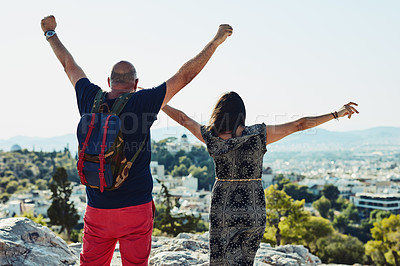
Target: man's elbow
column 182, row 119
column 68, row 68
column 186, row 75
column 185, row 80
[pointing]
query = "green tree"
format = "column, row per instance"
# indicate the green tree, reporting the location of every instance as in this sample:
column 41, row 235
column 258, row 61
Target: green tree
column 349, row 216
column 202, row 226
column 24, row 182
column 202, row 175
column 385, row 248
column 338, row 248
column 341, row 222
column 180, row 170
column 315, row 228
column 4, row 197
column 41, row 184
column 292, row 226
column 173, row 224
column 37, row 219
column 62, row 212
column 4, row 181
column 198, row 172
column 198, row 154
column 281, row 181
column 352, row 213
column 28, row 173
column 77, row 235
column 362, row 231
column 208, row 179
column 185, row 161
column 278, row 178
column 378, row 215
column 331, row 192
column 341, row 204
column 323, row 206
column 283, row 214
column 11, row 187
column 298, row 192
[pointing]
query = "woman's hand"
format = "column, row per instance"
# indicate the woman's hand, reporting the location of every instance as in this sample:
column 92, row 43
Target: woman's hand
column 347, row 109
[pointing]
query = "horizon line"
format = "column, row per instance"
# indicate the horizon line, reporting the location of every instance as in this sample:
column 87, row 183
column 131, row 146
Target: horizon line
column 174, row 127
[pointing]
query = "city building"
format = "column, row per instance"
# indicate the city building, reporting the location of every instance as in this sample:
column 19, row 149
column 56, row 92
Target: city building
column 182, row 144
column 157, row 170
column 190, row 182
column 267, row 177
column 367, row 202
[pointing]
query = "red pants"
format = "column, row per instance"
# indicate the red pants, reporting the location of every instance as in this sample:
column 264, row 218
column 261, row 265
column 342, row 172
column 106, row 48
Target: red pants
column 131, row 226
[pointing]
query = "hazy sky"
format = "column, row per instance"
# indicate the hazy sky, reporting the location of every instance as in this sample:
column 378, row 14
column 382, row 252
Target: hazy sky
column 286, row 58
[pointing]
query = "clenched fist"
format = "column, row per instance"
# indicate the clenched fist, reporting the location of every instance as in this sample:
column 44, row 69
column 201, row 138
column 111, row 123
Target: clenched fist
column 48, row 23
column 224, row 31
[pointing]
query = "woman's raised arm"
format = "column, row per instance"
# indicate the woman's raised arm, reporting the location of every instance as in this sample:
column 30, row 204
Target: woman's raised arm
column 181, row 118
column 277, row 132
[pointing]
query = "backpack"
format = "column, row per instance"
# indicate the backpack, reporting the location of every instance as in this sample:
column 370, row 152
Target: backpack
column 102, row 163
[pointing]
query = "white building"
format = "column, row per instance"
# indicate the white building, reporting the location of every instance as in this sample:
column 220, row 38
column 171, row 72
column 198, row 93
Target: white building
column 13, row 207
column 157, row 170
column 190, row 182
column 182, row 144
column 267, row 177
column 366, row 202
column 314, row 185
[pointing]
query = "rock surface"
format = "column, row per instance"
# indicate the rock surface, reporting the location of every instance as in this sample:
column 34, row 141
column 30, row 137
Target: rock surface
column 192, row 249
column 22, row 242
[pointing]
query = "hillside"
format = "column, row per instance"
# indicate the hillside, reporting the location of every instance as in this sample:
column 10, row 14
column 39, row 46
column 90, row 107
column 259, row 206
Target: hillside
column 313, row 139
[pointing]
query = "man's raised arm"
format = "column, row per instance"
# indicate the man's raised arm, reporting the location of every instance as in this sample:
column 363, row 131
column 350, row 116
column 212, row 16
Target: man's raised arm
column 74, row 72
column 193, row 67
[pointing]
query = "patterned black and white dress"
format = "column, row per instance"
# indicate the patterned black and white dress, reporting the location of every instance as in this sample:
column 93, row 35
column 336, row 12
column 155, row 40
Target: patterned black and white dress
column 237, row 215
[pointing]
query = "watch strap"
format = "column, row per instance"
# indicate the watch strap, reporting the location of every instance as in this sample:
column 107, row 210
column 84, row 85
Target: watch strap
column 49, row 34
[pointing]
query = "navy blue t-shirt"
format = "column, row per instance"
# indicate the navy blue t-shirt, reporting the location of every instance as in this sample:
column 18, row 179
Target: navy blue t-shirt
column 137, row 117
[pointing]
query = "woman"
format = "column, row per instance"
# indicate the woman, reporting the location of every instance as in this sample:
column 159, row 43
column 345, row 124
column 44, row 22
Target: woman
column 237, row 215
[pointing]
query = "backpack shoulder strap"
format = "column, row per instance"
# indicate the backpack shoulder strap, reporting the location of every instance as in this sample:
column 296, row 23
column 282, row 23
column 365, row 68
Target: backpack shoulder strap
column 139, row 150
column 97, row 101
column 120, row 103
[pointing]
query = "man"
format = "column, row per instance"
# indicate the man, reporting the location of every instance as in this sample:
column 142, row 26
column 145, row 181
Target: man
column 125, row 214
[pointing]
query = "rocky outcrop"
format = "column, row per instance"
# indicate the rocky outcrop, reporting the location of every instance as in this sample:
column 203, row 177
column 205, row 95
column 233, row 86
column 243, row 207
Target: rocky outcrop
column 23, row 242
column 192, row 249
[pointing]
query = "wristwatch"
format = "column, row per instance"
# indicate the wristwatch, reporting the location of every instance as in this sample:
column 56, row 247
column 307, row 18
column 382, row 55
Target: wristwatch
column 49, row 34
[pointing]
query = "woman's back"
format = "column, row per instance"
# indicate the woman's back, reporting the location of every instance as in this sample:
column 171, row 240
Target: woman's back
column 240, row 157
column 237, row 215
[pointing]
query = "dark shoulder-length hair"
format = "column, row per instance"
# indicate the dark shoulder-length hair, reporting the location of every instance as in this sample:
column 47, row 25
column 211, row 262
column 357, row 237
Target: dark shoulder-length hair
column 229, row 113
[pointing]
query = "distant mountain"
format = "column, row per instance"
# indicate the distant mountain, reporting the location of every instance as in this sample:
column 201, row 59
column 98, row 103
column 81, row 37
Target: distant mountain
column 60, row 142
column 313, row 139
column 37, row 143
column 321, row 139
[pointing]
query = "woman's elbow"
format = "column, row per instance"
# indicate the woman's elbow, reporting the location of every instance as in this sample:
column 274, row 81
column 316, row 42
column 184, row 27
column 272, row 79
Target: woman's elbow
column 306, row 123
column 300, row 125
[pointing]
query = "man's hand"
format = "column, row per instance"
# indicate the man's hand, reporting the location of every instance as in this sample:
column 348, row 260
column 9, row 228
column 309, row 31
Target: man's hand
column 48, row 23
column 191, row 68
column 223, row 32
column 74, row 72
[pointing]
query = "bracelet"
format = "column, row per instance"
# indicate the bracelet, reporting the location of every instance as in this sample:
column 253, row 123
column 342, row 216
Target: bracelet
column 335, row 115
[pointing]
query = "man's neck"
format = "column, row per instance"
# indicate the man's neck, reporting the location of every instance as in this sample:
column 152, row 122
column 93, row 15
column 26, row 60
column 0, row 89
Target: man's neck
column 114, row 93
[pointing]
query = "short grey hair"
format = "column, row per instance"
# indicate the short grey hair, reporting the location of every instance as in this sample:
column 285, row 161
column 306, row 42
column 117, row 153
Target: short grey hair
column 123, row 72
